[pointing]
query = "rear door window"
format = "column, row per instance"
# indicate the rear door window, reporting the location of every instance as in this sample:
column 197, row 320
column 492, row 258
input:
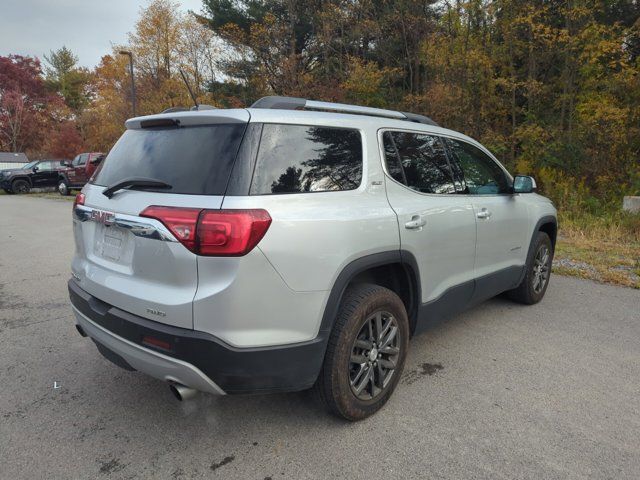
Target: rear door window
column 193, row 160
column 298, row 159
column 423, row 164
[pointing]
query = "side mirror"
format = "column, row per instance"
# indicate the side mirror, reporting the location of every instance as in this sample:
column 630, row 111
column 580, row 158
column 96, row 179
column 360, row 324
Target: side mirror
column 35, row 169
column 524, row 184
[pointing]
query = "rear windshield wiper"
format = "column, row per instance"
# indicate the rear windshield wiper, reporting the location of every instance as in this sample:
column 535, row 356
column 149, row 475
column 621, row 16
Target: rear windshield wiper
column 134, row 182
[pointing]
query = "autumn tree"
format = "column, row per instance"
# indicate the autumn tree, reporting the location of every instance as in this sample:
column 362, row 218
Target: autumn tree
column 24, row 104
column 198, row 52
column 552, row 88
column 64, row 141
column 103, row 120
column 164, row 41
column 154, row 42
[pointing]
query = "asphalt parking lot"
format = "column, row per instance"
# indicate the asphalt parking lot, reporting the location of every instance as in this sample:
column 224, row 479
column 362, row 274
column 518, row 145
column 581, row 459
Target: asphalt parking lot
column 502, row 391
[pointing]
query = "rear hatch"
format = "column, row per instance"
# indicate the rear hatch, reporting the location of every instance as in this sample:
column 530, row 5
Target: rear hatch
column 133, row 262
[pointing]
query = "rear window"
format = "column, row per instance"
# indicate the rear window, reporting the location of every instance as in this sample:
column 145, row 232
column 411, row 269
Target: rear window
column 193, row 160
column 298, row 159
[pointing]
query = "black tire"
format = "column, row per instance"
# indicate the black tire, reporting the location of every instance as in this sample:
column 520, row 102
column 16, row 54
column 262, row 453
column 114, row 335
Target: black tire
column 20, row 186
column 538, row 269
column 63, row 188
column 338, row 381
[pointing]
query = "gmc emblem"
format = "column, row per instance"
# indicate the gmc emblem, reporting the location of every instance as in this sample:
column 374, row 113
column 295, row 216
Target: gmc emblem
column 106, row 218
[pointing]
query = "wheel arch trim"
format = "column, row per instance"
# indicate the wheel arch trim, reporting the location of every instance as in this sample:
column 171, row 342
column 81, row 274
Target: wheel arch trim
column 547, row 219
column 22, row 177
column 362, row 264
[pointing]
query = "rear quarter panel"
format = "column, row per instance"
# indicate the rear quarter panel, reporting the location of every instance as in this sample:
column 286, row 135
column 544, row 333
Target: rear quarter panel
column 313, row 236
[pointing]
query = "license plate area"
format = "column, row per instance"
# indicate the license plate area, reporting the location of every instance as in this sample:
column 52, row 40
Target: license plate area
column 113, row 244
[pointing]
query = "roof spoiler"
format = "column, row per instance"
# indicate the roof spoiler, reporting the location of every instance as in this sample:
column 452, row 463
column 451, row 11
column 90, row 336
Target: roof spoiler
column 295, row 103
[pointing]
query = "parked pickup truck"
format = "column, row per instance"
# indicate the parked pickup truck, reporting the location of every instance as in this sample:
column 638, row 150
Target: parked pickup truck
column 78, row 172
column 36, row 174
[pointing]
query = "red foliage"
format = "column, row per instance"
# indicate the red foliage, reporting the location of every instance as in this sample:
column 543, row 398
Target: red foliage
column 24, row 75
column 24, row 103
column 65, row 141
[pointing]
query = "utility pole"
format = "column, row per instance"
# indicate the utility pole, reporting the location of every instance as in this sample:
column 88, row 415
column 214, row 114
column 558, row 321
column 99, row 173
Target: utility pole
column 133, row 81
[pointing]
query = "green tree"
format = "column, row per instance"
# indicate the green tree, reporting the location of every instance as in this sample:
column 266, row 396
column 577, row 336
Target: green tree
column 65, row 77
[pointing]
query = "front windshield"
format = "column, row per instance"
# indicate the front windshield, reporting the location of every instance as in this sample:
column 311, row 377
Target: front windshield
column 30, row 165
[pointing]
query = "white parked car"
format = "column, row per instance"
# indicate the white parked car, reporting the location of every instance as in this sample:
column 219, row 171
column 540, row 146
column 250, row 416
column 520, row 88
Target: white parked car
column 296, row 244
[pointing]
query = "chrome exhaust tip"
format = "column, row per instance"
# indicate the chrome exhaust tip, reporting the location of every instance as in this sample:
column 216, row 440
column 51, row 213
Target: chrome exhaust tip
column 182, row 392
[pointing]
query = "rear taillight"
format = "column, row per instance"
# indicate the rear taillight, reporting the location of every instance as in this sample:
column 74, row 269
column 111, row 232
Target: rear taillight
column 79, row 200
column 231, row 232
column 181, row 222
column 213, row 232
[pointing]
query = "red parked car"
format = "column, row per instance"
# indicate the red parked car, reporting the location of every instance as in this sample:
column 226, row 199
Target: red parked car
column 78, row 172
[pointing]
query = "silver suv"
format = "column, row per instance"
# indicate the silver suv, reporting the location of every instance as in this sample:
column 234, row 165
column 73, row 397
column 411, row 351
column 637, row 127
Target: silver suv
column 296, row 244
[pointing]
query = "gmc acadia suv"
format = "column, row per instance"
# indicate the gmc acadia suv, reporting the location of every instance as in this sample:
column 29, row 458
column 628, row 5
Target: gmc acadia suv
column 296, row 244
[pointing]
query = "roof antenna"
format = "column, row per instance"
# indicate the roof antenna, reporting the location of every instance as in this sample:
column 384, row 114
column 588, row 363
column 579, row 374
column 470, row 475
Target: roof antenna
column 184, row 77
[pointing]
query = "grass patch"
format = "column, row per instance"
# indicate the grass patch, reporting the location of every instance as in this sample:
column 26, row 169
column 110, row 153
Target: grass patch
column 53, row 196
column 605, row 248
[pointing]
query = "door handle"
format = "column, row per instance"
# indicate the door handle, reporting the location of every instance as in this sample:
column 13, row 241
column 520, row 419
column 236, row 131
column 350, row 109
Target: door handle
column 415, row 223
column 484, row 213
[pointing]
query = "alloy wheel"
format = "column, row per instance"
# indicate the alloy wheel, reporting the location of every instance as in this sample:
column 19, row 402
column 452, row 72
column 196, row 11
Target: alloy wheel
column 541, row 269
column 374, row 356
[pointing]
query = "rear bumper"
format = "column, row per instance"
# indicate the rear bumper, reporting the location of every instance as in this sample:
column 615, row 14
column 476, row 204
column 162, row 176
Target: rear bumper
column 127, row 354
column 195, row 359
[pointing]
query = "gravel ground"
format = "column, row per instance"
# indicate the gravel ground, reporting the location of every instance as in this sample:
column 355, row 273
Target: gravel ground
column 502, row 391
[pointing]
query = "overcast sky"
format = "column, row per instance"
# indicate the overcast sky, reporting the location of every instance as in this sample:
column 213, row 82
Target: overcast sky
column 87, row 27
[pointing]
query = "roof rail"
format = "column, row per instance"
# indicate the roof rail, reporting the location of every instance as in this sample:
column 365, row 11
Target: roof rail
column 295, row 103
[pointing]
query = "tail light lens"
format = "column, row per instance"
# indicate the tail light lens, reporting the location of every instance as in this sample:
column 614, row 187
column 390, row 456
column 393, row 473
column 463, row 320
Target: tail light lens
column 182, row 222
column 231, row 232
column 213, row 232
column 79, row 200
